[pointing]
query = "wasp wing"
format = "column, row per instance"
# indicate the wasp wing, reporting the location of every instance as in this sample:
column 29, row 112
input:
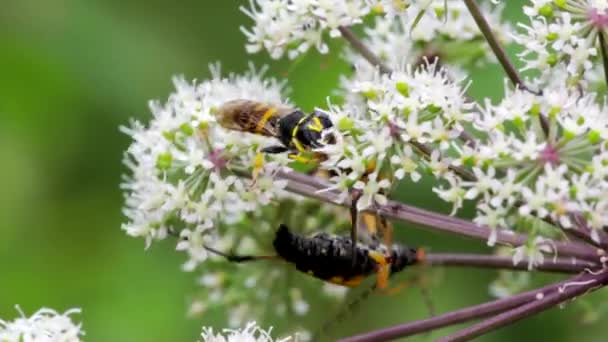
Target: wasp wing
column 252, row 116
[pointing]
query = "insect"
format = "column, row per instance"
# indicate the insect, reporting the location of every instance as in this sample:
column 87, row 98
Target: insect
column 298, row 132
column 329, row 257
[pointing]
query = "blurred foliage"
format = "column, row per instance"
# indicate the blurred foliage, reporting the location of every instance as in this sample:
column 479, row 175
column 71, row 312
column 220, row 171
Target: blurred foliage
column 72, row 73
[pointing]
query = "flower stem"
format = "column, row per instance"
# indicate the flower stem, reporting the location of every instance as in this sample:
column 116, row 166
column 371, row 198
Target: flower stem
column 501, row 54
column 455, row 317
column 603, row 48
column 498, row 50
column 461, row 172
column 310, row 186
column 358, row 45
column 558, row 265
column 571, row 289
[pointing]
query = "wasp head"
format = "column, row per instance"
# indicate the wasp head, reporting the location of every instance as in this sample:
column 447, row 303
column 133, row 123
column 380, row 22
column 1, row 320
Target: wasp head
column 315, row 131
column 402, row 256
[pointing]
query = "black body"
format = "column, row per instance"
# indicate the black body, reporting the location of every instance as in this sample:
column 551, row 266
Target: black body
column 301, row 127
column 331, row 257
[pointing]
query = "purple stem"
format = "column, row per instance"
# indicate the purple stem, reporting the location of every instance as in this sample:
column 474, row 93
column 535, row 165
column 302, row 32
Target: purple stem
column 582, row 231
column 573, row 288
column 559, row 265
column 454, row 317
column 310, row 186
column 501, row 54
column 358, row 45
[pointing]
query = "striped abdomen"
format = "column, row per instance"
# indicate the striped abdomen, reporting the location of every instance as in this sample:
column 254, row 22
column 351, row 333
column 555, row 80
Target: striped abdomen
column 330, row 257
column 252, row 116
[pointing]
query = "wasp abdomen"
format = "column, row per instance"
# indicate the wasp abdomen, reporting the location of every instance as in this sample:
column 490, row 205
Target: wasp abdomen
column 326, row 257
column 251, row 116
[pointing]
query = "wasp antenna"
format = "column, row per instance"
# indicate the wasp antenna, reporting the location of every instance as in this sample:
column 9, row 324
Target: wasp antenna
column 238, row 258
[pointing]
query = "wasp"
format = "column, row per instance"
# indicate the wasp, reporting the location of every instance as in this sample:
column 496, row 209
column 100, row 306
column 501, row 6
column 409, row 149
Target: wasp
column 298, row 132
column 329, row 258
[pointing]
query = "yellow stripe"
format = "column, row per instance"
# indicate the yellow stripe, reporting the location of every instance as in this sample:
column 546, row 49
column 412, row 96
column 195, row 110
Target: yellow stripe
column 298, row 145
column 267, row 115
column 317, row 126
column 297, row 126
column 300, row 158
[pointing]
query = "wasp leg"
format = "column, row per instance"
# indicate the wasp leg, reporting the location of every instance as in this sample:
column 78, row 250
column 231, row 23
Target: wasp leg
column 387, row 233
column 393, row 290
column 383, row 269
column 258, row 165
column 354, row 215
column 240, row 258
column 302, row 158
column 275, row 149
column 346, row 309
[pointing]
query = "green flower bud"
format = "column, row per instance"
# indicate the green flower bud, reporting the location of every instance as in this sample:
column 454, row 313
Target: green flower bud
column 546, row 11
column 163, row 161
column 594, row 137
column 535, row 110
column 569, row 135
column 169, row 135
column 186, row 129
column 345, row 124
column 370, row 94
column 403, row 88
column 560, row 3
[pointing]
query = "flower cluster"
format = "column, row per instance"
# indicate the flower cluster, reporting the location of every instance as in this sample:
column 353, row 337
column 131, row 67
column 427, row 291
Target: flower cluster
column 523, row 169
column 295, row 26
column 433, row 30
column 251, row 333
column 563, row 33
column 389, row 121
column 46, row 325
column 189, row 179
column 535, row 162
column 183, row 164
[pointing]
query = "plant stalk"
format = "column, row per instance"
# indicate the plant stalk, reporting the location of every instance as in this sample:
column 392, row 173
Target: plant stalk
column 573, row 288
column 313, row 187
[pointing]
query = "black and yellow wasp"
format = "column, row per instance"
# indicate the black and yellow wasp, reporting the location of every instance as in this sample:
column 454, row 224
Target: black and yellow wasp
column 298, row 132
column 329, row 258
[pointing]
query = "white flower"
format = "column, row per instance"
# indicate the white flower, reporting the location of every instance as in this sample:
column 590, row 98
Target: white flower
column 453, row 193
column 194, row 242
column 46, row 325
column 371, row 191
column 294, row 26
column 533, row 252
column 406, row 164
column 564, row 33
column 341, row 182
column 179, row 161
column 493, row 218
column 251, row 333
column 483, row 183
column 435, row 28
column 379, row 143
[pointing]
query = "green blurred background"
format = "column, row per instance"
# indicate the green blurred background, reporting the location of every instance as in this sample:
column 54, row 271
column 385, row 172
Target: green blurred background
column 72, row 72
